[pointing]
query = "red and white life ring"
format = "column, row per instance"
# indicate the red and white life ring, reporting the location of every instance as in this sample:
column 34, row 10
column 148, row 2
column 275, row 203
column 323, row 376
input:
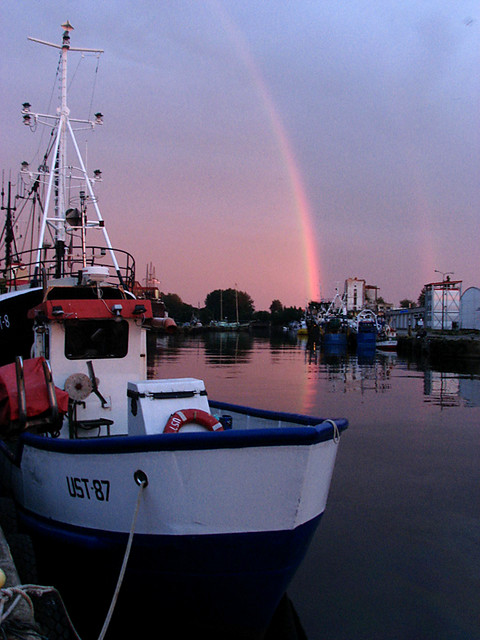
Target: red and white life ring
column 178, row 419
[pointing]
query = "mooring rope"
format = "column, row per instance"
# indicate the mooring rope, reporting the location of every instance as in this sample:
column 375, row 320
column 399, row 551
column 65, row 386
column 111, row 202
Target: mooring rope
column 8, row 593
column 336, row 430
column 142, row 482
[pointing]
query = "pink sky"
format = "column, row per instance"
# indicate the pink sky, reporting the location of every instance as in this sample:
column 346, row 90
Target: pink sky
column 276, row 147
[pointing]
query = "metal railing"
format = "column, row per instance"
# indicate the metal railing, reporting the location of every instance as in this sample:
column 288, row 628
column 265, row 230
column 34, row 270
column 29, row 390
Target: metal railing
column 24, row 270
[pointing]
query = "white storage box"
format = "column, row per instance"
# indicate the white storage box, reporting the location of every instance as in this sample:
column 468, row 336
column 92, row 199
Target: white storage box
column 151, row 402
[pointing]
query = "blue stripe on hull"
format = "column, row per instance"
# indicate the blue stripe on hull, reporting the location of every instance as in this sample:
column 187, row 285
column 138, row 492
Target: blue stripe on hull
column 226, row 583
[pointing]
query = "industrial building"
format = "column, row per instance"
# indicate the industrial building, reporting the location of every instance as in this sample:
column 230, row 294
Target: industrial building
column 446, row 307
column 442, row 304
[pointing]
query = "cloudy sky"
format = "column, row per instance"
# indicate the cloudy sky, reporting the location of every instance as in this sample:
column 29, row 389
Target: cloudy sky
column 279, row 146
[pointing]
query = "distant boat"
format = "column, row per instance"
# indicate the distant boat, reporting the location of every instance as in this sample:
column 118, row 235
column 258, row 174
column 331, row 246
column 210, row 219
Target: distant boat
column 387, row 340
column 334, row 331
column 297, row 328
column 219, row 501
column 161, row 322
column 219, row 325
column 194, row 326
column 302, row 328
column 366, row 329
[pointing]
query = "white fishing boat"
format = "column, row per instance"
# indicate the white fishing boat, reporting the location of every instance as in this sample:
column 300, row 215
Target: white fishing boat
column 387, row 339
column 211, row 506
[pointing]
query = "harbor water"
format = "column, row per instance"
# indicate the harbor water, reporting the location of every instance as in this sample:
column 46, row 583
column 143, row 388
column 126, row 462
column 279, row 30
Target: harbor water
column 397, row 553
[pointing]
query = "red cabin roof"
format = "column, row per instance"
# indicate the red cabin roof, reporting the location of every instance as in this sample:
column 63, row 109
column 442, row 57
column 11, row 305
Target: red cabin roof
column 61, row 310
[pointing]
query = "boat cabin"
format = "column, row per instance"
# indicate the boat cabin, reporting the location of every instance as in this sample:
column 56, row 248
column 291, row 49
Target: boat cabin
column 95, row 342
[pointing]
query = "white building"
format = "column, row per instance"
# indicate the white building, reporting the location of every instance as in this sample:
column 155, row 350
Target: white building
column 470, row 308
column 354, row 294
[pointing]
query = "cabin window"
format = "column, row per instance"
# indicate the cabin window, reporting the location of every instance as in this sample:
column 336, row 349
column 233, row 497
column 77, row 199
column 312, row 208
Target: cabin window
column 85, row 339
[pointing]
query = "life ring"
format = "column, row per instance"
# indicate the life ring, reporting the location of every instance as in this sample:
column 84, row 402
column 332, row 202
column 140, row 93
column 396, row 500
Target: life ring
column 178, row 419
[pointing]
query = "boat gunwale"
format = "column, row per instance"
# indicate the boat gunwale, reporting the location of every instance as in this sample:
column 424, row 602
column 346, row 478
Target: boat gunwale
column 308, row 431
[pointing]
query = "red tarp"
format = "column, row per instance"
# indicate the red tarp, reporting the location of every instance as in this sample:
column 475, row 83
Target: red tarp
column 35, row 391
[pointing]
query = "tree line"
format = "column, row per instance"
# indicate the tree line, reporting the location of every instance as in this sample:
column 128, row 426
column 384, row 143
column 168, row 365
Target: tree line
column 228, row 305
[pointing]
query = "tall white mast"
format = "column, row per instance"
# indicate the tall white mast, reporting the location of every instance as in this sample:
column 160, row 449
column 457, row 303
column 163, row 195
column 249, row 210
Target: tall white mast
column 62, row 151
column 59, row 173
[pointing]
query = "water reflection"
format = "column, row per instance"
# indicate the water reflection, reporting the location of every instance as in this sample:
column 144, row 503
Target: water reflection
column 228, row 347
column 351, row 376
column 450, row 382
column 399, row 517
column 449, row 389
column 443, row 389
column 281, row 371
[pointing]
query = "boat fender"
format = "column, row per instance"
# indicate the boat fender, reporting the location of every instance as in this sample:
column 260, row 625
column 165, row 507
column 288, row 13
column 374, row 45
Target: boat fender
column 178, row 419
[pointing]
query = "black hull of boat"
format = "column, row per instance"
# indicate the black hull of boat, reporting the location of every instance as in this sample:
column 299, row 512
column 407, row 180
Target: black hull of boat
column 16, row 334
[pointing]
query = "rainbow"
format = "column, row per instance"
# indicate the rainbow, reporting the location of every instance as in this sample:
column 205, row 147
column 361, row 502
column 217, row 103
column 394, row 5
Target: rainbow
column 301, row 203
column 302, row 206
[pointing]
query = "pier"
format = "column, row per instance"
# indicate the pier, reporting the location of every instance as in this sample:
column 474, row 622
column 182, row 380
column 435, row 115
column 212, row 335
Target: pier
column 456, row 344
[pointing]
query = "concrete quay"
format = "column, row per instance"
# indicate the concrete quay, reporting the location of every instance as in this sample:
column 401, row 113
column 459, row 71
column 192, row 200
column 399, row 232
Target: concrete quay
column 458, row 344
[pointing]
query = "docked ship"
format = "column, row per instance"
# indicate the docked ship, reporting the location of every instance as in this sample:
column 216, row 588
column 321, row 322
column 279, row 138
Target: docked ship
column 193, row 509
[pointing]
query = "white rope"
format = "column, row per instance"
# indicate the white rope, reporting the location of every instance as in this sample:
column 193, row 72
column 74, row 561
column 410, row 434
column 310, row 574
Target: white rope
column 142, row 485
column 336, row 431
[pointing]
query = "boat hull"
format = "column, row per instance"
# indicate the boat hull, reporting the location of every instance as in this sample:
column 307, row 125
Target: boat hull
column 366, row 340
column 228, row 583
column 16, row 333
column 334, row 339
column 388, row 346
column 222, row 526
